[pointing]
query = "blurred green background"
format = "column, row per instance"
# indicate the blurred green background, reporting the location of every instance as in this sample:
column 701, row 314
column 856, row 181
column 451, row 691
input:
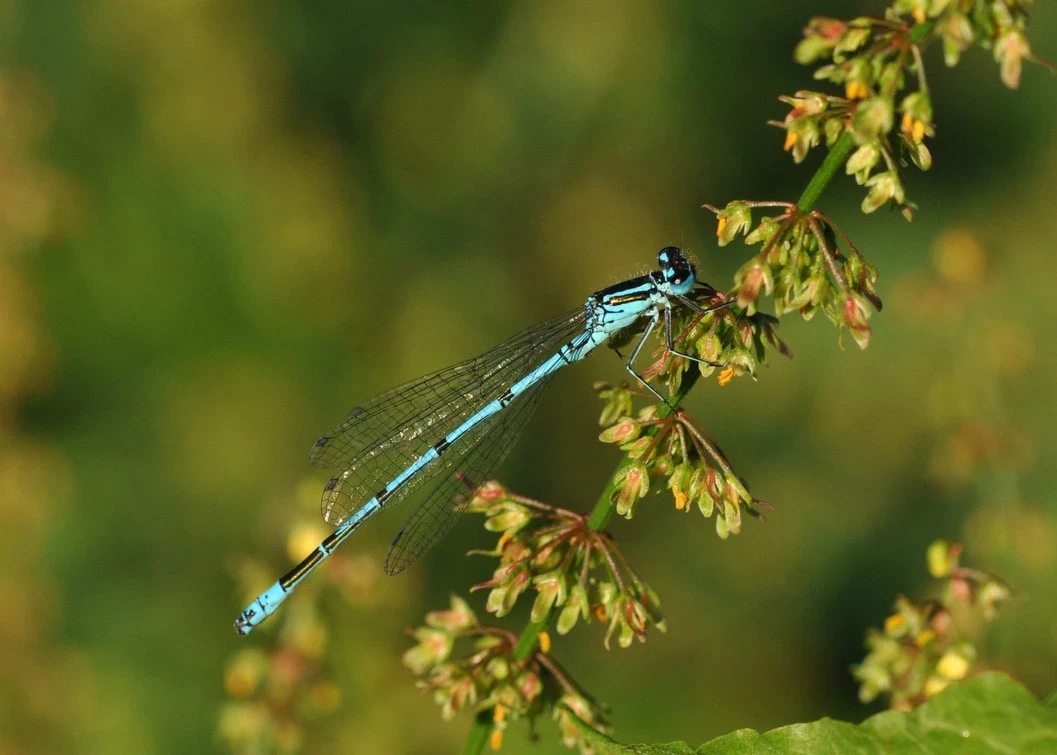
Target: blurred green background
column 223, row 223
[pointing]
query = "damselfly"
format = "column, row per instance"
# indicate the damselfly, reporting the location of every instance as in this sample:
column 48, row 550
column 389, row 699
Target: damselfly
column 459, row 423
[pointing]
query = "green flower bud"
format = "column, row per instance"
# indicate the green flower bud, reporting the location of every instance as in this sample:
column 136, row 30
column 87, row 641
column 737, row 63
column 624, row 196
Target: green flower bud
column 1011, row 48
column 605, row 598
column 528, row 686
column 457, row 618
column 873, row 118
column 851, row 41
column 892, row 78
column 679, row 484
column 722, row 526
column 575, row 608
column 856, row 312
column 709, row 348
column 810, row 49
column 551, row 589
column 957, row 34
column 920, row 155
column 626, row 429
column 884, row 187
column 765, row 231
column 511, row 520
column 863, row 161
column 820, row 37
column 751, row 280
column 706, row 503
column 833, row 129
column 633, row 483
column 433, row 647
column 496, row 599
column 732, row 220
column 733, row 517
column 517, row 585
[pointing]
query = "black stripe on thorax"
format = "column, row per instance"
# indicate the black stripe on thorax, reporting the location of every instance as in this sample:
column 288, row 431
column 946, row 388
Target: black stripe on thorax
column 616, row 288
column 628, row 298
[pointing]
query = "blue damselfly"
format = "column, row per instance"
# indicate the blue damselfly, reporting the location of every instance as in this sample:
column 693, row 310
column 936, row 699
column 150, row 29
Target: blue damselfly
column 460, row 423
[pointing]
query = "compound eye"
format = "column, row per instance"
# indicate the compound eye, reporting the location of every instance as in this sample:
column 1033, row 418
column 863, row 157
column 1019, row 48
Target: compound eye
column 669, row 256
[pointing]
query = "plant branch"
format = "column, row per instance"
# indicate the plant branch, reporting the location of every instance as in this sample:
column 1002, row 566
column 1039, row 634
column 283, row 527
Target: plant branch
column 837, row 156
column 482, row 727
column 605, row 506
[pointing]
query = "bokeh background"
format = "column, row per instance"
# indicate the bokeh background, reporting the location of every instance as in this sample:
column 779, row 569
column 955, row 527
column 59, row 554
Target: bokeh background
column 223, row 223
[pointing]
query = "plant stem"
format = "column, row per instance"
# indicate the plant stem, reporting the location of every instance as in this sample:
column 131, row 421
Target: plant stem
column 482, row 727
column 605, row 507
column 834, row 160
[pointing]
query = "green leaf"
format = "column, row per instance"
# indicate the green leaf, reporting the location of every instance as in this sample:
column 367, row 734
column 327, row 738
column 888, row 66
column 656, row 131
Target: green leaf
column 989, row 713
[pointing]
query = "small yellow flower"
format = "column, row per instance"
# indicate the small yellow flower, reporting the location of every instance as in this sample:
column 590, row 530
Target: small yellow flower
column 935, row 685
column 726, row 376
column 893, row 622
column 924, row 638
column 721, row 224
column 856, row 90
column 952, row 666
column 496, row 740
column 499, row 714
column 680, row 499
column 790, row 140
column 913, row 128
column 545, row 642
column 919, row 14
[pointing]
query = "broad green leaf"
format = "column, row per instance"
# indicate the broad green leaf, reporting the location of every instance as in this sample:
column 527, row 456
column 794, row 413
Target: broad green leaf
column 989, row 713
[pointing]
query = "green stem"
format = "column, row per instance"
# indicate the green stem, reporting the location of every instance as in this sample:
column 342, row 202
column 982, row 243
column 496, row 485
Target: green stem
column 920, row 32
column 482, row 727
column 836, row 158
column 605, row 506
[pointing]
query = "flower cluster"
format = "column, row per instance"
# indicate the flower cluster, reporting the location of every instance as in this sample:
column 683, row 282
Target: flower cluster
column 925, row 646
column 276, row 690
column 274, row 693
column 572, row 568
column 735, row 343
column 997, row 25
column 678, row 450
column 802, row 265
column 491, row 678
column 872, row 59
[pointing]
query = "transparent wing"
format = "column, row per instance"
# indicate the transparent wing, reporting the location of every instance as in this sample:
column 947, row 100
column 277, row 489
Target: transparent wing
column 464, row 473
column 388, row 434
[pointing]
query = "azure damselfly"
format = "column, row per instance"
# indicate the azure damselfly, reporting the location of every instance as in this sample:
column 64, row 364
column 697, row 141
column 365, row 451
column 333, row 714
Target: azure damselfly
column 460, row 423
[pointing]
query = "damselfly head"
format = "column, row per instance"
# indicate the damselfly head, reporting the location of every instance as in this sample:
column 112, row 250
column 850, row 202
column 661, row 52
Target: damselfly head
column 678, row 271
